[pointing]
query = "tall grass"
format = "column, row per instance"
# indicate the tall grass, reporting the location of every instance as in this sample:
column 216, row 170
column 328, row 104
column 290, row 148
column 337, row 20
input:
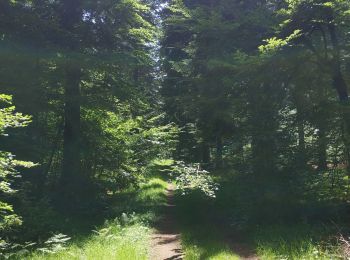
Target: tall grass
column 306, row 250
column 126, row 237
column 208, row 232
column 112, row 242
column 302, row 242
column 205, row 244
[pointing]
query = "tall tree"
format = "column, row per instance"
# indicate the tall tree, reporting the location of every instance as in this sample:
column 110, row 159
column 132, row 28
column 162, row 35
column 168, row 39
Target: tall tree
column 72, row 183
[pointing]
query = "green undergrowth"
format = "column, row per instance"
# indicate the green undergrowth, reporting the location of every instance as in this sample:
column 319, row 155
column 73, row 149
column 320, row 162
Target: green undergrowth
column 212, row 228
column 298, row 241
column 200, row 238
column 126, row 235
column 205, row 243
column 111, row 242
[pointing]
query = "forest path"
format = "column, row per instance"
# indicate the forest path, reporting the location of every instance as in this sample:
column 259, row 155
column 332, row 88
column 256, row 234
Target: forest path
column 166, row 243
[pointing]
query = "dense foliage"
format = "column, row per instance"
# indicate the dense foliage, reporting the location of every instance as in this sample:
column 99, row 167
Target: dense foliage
column 261, row 87
column 246, row 101
column 8, row 173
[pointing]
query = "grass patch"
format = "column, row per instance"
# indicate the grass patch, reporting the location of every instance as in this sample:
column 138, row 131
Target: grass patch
column 112, row 242
column 125, row 235
column 205, row 243
column 295, row 242
column 303, row 251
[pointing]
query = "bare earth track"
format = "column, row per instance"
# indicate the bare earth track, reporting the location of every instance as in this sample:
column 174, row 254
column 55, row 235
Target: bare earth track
column 166, row 243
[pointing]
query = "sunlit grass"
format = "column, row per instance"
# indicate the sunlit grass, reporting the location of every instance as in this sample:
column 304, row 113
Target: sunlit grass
column 206, row 248
column 153, row 192
column 199, row 237
column 117, row 243
column 118, row 239
column 294, row 242
column 305, row 250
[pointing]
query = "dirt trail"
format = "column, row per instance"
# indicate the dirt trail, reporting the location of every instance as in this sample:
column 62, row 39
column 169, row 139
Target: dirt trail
column 166, row 243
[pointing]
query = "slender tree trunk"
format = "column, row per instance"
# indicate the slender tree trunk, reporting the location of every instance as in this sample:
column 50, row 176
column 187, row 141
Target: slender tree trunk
column 337, row 75
column 240, row 152
column 71, row 134
column 341, row 87
column 322, row 149
column 48, row 166
column 71, row 174
column 72, row 182
column 205, row 153
column 301, row 137
column 263, row 132
column 301, row 159
column 219, row 148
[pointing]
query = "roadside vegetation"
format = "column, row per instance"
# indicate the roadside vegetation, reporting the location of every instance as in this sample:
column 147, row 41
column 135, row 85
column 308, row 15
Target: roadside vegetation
column 211, row 230
column 126, row 236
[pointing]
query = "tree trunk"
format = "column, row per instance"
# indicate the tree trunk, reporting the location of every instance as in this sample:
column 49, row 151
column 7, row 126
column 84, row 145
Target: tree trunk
column 205, row 153
column 71, row 175
column 341, row 87
column 264, row 130
column 301, row 137
column 301, row 159
column 219, row 148
column 72, row 183
column 337, row 75
column 322, row 149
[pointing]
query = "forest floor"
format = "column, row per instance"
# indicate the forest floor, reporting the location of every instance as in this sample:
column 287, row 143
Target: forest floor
column 157, row 222
column 167, row 245
column 213, row 229
column 166, row 241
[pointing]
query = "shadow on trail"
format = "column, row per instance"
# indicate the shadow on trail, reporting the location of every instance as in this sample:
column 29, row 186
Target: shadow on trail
column 203, row 234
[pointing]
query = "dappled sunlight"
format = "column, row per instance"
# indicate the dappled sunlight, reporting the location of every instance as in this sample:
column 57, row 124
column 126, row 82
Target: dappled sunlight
column 175, row 129
column 126, row 235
